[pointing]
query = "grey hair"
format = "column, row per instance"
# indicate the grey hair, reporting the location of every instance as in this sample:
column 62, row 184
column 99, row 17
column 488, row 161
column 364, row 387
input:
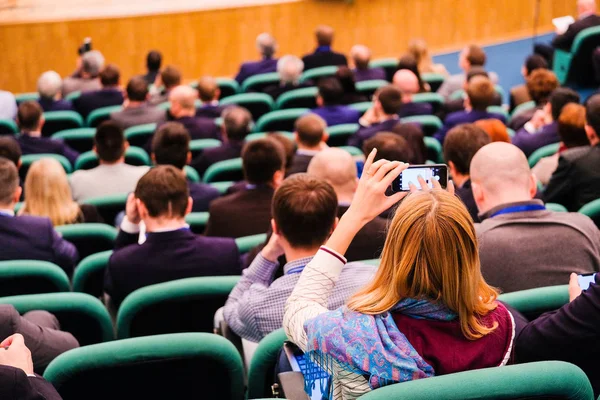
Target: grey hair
column 290, row 68
column 266, row 44
column 49, row 84
column 92, row 62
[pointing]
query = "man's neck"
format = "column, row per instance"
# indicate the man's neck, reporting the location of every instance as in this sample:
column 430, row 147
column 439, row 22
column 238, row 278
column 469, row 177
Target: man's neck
column 36, row 133
column 135, row 104
column 344, row 198
column 119, row 161
column 459, row 179
column 308, row 148
column 292, row 254
column 506, row 200
column 387, row 117
column 7, row 207
column 164, row 224
column 185, row 113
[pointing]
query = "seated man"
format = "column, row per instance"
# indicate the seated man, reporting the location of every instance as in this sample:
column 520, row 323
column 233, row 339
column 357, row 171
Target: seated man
column 329, row 102
column 48, row 86
column 408, row 83
column 136, row 109
column 237, row 124
column 542, row 130
column 390, row 146
column 338, row 168
column 30, row 119
column 153, row 62
column 171, row 146
column 461, row 144
column 522, row 245
column 171, row 251
column 183, row 110
column 92, row 63
column 209, row 93
column 311, row 137
column 458, row 104
column 361, row 56
column 323, row 55
column 112, row 176
column 540, row 85
column 266, row 46
column 290, row 70
column 168, row 79
column 520, row 94
column 304, row 215
column 109, row 95
column 248, row 211
column 26, row 237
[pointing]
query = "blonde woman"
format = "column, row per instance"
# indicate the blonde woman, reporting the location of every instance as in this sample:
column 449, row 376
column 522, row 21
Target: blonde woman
column 47, row 194
column 427, row 304
column 418, row 49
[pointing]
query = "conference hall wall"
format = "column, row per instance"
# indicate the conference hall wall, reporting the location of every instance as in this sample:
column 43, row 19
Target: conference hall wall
column 33, row 38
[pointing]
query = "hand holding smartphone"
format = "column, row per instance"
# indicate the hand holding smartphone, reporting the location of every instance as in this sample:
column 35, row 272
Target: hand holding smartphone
column 439, row 172
column 586, row 280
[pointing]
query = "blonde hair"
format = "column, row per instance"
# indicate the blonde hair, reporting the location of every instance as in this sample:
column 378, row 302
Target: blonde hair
column 418, row 49
column 47, row 193
column 431, row 252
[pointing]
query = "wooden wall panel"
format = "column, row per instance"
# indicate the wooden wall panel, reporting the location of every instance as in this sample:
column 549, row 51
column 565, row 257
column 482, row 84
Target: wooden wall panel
column 216, row 41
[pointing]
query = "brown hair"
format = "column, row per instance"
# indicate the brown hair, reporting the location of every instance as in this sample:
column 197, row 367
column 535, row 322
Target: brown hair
column 481, row 93
column 207, row 88
column 171, row 145
column 109, row 76
column 390, row 98
column 390, row 146
column 170, row 77
column 571, row 126
column 137, row 89
column 415, row 137
column 10, row 149
column 29, row 115
column 476, row 56
column 495, row 129
column 109, row 141
column 288, row 145
column 261, row 159
column 461, row 144
column 540, row 84
column 310, row 129
column 9, row 180
column 164, row 191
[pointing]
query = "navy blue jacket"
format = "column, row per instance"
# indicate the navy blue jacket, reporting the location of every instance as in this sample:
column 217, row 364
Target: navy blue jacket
column 44, row 145
column 209, row 111
column 55, row 105
column 90, row 101
column 464, row 117
column 202, row 194
column 226, row 151
column 251, row 68
column 323, row 57
column 369, row 74
column 530, row 142
column 337, row 115
column 413, row 109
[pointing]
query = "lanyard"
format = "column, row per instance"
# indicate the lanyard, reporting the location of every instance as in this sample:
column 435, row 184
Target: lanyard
column 515, row 209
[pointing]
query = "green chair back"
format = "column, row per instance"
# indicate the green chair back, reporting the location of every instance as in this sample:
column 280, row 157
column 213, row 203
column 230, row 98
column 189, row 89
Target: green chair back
column 79, row 139
column 258, row 104
column 534, row 302
column 262, row 135
column 556, row 207
column 435, row 152
column 23, row 97
column 262, row 365
column 316, row 73
column 30, row 277
column 228, row 87
column 197, row 221
column 522, row 107
column 362, row 107
column 228, row 170
column 178, row 366
column 548, row 379
column 339, row 134
column 199, row 145
column 222, row 187
column 29, row 159
column 280, row 120
column 542, row 152
column 56, row 121
column 133, row 156
column 100, row 115
column 368, row 88
column 139, row 135
column 390, row 65
column 500, row 110
column 89, row 274
column 89, row 238
column 577, row 59
column 191, row 174
column 8, row 127
column 591, row 209
column 429, row 123
column 82, row 315
column 434, row 80
column 109, row 206
column 167, row 307
column 73, row 95
column 298, row 98
column 258, row 82
column 247, row 243
column 435, row 99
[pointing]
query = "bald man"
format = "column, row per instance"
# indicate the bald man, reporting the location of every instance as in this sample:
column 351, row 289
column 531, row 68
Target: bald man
column 408, row 83
column 311, row 137
column 338, row 168
column 522, row 244
column 183, row 110
column 361, row 56
column 266, row 46
column 209, row 93
column 323, row 55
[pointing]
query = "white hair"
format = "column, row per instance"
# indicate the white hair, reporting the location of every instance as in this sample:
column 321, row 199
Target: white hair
column 92, row 62
column 49, row 84
column 266, row 44
column 290, row 68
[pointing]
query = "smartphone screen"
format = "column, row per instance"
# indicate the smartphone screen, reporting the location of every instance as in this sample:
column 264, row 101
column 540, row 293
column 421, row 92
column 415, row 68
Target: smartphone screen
column 585, row 280
column 410, row 175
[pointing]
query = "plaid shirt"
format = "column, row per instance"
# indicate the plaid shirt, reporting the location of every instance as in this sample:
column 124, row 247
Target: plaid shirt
column 255, row 306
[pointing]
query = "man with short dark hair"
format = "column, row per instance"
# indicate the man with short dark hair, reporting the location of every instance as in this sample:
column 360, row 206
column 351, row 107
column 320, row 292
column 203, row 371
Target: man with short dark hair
column 153, row 62
column 92, row 63
column 170, row 250
column 136, row 109
column 266, row 46
column 519, row 94
column 171, row 146
column 183, row 110
column 471, row 56
column 109, row 95
column 112, row 176
column 209, row 93
column 248, row 212
column 168, row 79
column 329, row 102
column 304, row 215
column 323, row 55
column 9, row 149
column 30, row 119
column 390, row 146
column 311, row 137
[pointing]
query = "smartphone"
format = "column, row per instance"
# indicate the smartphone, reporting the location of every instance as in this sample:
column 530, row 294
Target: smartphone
column 439, row 172
column 586, row 279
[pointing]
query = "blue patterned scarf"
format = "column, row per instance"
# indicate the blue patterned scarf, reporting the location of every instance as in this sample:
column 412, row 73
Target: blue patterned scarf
column 370, row 345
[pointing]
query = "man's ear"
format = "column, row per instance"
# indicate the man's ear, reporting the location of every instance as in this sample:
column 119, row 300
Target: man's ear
column 278, row 178
column 188, row 159
column 325, row 137
column 153, row 158
column 42, row 122
column 190, row 205
column 17, row 194
column 19, row 163
column 452, row 168
column 125, row 145
column 335, row 224
column 478, row 195
column 142, row 209
column 590, row 133
column 274, row 227
column 532, row 185
column 319, row 101
column 217, row 94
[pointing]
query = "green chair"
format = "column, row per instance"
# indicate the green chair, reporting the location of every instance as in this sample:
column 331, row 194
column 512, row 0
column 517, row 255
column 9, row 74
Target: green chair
column 316, row 73
column 434, row 80
column 258, row 82
column 139, row 135
column 262, row 135
column 556, row 207
column 8, row 127
column 23, row 97
column 197, row 221
column 429, row 123
column 183, row 305
column 368, row 88
column 542, row 152
column 191, row 174
column 79, row 139
column 29, row 159
column 262, row 365
column 178, row 366
column 165, row 106
column 592, row 210
column 109, row 206
column 228, row 87
column 435, row 99
column 133, row 156
column 298, row 98
column 89, row 274
column 362, row 107
column 390, row 65
column 89, row 238
column 247, row 243
column 339, row 134
column 500, row 111
column 199, row 145
column 228, row 170
column 57, row 121
column 548, row 379
column 434, row 150
column 534, row 302
column 80, row 314
column 258, row 104
column 100, row 115
column 30, row 277
column 73, row 95
column 576, row 66
column 522, row 107
column 354, row 151
column 222, row 187
column 280, row 120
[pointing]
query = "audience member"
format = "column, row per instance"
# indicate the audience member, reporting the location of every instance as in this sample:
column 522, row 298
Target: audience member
column 290, row 70
column 390, row 146
column 8, row 105
column 408, row 84
column 311, row 137
column 30, row 120
column 248, row 212
column 171, row 146
column 456, row 104
column 471, row 56
column 413, row 134
column 18, row 242
column 266, row 46
column 351, row 94
column 288, row 145
column 9, row 149
column 361, row 57
column 183, row 110
column 329, row 102
column 168, row 79
column 153, row 62
column 495, row 129
column 112, row 176
column 170, row 250
column 323, row 55
column 407, row 61
column 543, row 127
column 522, row 244
column 304, row 214
column 92, row 63
column 540, row 85
column 418, row 49
column 520, row 94
column 48, row 86
column 109, row 95
column 136, row 109
column 209, row 93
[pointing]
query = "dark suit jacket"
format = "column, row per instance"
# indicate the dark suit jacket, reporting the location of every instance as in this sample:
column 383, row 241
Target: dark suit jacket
column 299, row 164
column 519, row 95
column 16, row 385
column 464, row 117
column 337, row 115
column 227, row 151
column 88, row 102
column 202, row 194
column 323, row 57
column 565, row 40
column 210, row 111
column 277, row 90
column 465, row 193
column 150, row 77
column 55, row 105
column 244, row 213
column 530, row 142
column 365, row 133
column 369, row 74
column 251, row 68
column 412, row 109
column 34, row 238
column 369, row 241
column 164, row 257
column 200, row 128
column 44, row 145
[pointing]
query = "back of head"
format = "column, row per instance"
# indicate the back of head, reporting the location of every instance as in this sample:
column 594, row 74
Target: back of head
column 164, row 191
column 261, row 159
column 571, row 126
column 10, row 149
column 540, row 84
column 418, row 49
column 533, row 62
column 406, row 81
column 592, row 114
column 476, row 56
column 185, row 96
column 109, row 142
column 290, row 69
column 170, row 77
column 287, row 144
column 586, row 6
column 361, row 55
column 560, row 98
column 413, row 134
column 331, row 91
column 9, row 181
column 462, row 143
column 304, row 209
column 207, row 88
column 336, row 167
column 49, row 84
column 92, row 63
column 237, row 122
column 266, row 45
column 495, row 129
column 310, row 130
column 481, row 93
column 153, row 60
column 29, row 116
column 390, row 99
column 137, row 89
column 171, row 145
column 324, row 35
column 390, row 146
column 110, row 75
column 346, row 78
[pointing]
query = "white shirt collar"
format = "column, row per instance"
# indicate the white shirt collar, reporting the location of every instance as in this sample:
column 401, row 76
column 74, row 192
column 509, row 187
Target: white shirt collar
column 7, row 212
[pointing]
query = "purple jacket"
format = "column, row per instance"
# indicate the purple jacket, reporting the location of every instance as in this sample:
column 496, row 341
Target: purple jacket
column 369, row 74
column 530, row 142
column 251, row 68
column 337, row 115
